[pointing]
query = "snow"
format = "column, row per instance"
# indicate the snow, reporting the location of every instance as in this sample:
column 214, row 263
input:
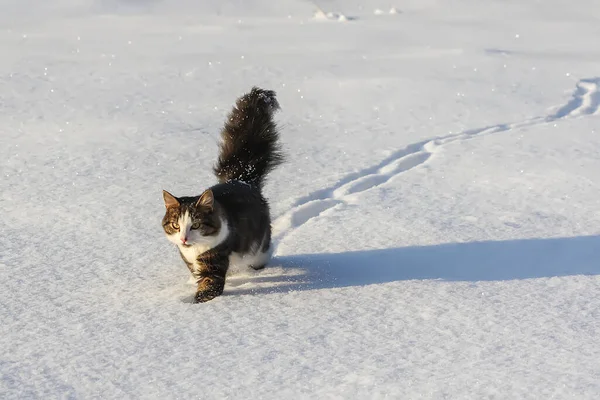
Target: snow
column 437, row 222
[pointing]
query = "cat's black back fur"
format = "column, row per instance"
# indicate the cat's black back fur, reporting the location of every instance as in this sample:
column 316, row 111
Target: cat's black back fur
column 247, row 213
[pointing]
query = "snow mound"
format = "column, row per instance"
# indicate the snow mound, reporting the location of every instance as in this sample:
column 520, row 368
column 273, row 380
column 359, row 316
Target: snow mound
column 320, row 15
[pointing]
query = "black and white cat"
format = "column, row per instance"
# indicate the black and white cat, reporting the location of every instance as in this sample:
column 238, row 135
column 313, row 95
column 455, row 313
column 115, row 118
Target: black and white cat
column 230, row 222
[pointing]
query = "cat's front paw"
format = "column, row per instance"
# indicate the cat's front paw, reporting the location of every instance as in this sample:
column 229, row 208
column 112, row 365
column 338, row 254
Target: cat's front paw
column 208, row 289
column 203, row 297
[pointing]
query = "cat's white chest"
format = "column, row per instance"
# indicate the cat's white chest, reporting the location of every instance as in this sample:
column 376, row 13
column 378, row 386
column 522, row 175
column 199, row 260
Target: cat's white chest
column 191, row 253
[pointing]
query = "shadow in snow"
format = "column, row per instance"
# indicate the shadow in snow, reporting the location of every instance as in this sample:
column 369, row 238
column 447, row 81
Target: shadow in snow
column 473, row 261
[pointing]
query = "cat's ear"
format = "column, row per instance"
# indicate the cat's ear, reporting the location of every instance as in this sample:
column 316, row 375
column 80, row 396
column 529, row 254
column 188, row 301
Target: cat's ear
column 170, row 200
column 206, row 200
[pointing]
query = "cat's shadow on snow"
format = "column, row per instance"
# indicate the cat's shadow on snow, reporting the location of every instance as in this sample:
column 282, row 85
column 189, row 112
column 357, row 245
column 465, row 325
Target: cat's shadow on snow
column 472, row 261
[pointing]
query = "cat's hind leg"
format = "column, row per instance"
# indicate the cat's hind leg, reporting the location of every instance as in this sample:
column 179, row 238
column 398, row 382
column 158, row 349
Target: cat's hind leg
column 256, row 258
column 259, row 259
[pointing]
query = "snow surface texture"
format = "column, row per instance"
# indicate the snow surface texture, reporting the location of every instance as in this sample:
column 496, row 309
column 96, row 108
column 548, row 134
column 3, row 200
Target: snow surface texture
column 437, row 223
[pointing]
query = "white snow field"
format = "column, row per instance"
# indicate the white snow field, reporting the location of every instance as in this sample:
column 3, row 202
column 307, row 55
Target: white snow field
column 437, row 223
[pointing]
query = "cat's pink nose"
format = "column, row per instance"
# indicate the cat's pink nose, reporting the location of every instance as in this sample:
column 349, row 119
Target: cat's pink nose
column 183, row 240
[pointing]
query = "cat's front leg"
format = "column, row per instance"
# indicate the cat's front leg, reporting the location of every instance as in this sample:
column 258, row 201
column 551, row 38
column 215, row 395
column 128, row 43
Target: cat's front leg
column 209, row 287
column 210, row 275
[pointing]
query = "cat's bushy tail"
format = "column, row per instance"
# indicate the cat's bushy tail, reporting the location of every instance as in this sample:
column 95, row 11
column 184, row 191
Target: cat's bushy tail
column 250, row 148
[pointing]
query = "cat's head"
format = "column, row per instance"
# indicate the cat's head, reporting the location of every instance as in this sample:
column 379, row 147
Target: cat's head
column 191, row 221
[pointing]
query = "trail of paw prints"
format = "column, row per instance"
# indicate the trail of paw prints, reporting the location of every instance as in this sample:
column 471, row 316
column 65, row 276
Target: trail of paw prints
column 584, row 101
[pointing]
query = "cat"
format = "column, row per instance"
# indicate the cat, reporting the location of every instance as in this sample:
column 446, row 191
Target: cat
column 230, row 221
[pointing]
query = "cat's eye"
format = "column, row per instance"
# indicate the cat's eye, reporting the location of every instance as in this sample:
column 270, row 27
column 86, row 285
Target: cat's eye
column 196, row 225
column 174, row 225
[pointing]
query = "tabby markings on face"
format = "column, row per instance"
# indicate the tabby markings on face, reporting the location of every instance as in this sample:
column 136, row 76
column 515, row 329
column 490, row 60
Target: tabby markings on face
column 194, row 236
